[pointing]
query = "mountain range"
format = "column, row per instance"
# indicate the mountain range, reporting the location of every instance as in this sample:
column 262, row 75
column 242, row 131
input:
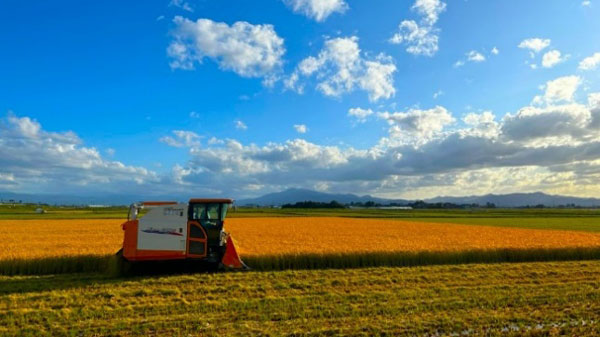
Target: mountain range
column 294, row 195
column 500, row 200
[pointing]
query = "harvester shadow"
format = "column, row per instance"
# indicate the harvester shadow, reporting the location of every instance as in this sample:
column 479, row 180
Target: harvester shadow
column 45, row 283
column 58, row 281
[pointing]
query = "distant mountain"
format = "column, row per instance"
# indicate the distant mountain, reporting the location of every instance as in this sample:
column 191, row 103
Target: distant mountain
column 520, row 200
column 294, row 195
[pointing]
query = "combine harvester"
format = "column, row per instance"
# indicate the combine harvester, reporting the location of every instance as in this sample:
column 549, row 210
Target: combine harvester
column 179, row 234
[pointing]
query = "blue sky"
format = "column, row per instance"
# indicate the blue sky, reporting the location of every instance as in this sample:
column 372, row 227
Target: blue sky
column 179, row 96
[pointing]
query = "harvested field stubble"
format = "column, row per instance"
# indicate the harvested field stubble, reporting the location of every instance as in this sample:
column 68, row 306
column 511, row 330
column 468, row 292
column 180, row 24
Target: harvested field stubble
column 55, row 246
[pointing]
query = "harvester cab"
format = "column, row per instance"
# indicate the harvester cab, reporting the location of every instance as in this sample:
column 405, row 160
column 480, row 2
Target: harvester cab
column 178, row 231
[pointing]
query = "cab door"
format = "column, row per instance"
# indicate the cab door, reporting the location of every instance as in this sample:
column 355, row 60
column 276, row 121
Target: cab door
column 197, row 243
column 207, row 217
column 212, row 224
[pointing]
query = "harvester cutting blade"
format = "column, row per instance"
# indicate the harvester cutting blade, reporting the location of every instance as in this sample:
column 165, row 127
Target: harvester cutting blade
column 231, row 259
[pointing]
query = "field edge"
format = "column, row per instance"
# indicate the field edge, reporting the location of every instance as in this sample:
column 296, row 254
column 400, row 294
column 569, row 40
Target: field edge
column 107, row 263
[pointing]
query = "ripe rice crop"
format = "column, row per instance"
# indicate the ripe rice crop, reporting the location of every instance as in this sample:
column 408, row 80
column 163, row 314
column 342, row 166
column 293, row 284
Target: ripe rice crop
column 58, row 246
column 325, row 235
column 52, row 246
column 44, row 238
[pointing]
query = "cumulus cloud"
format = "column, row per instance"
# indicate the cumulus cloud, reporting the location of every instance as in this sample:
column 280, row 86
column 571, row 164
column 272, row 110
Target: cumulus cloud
column 561, row 89
column 482, row 125
column 552, row 58
column 33, row 159
column 590, row 63
column 300, row 128
column 246, row 49
column 181, row 138
column 318, row 10
column 360, row 114
column 495, row 51
column 340, row 67
column 549, row 146
column 566, row 124
column 429, row 9
column 417, row 126
column 421, row 38
column 535, row 45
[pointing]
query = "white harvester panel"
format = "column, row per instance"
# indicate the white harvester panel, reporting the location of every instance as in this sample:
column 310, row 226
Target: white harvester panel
column 164, row 228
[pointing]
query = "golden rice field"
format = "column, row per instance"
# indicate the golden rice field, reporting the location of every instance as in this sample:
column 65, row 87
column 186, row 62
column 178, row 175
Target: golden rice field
column 271, row 243
column 28, row 239
column 271, row 236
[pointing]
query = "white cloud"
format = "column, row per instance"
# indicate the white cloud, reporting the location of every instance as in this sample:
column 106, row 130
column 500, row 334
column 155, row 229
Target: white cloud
column 535, row 44
column 421, row 38
column 430, row 9
column 495, row 51
column 471, row 56
column 240, row 125
column 526, row 151
column 318, row 10
column 246, row 49
column 417, row 126
column 548, row 147
column 481, row 125
column 561, row 89
column 33, row 159
column 566, row 124
column 341, row 68
column 586, row 3
column 552, row 58
column 182, row 139
column 300, row 128
column 194, row 114
column 594, row 100
column 437, row 94
column 474, row 56
column 110, row 152
column 181, row 4
column 360, row 114
column 590, row 63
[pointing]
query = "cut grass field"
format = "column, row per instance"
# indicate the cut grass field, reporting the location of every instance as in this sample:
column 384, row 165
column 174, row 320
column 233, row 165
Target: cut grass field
column 531, row 299
column 273, row 243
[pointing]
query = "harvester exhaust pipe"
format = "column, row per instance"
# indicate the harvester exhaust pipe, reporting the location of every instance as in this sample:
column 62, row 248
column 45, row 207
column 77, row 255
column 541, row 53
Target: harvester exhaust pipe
column 231, row 259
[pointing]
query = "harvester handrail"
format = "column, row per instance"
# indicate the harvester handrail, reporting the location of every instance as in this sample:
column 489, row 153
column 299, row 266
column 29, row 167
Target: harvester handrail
column 135, row 207
column 158, row 203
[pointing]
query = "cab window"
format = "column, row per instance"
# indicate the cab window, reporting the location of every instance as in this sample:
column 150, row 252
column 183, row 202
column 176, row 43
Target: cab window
column 206, row 211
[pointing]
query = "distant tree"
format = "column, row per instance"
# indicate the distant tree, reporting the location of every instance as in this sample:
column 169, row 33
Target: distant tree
column 314, row 204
